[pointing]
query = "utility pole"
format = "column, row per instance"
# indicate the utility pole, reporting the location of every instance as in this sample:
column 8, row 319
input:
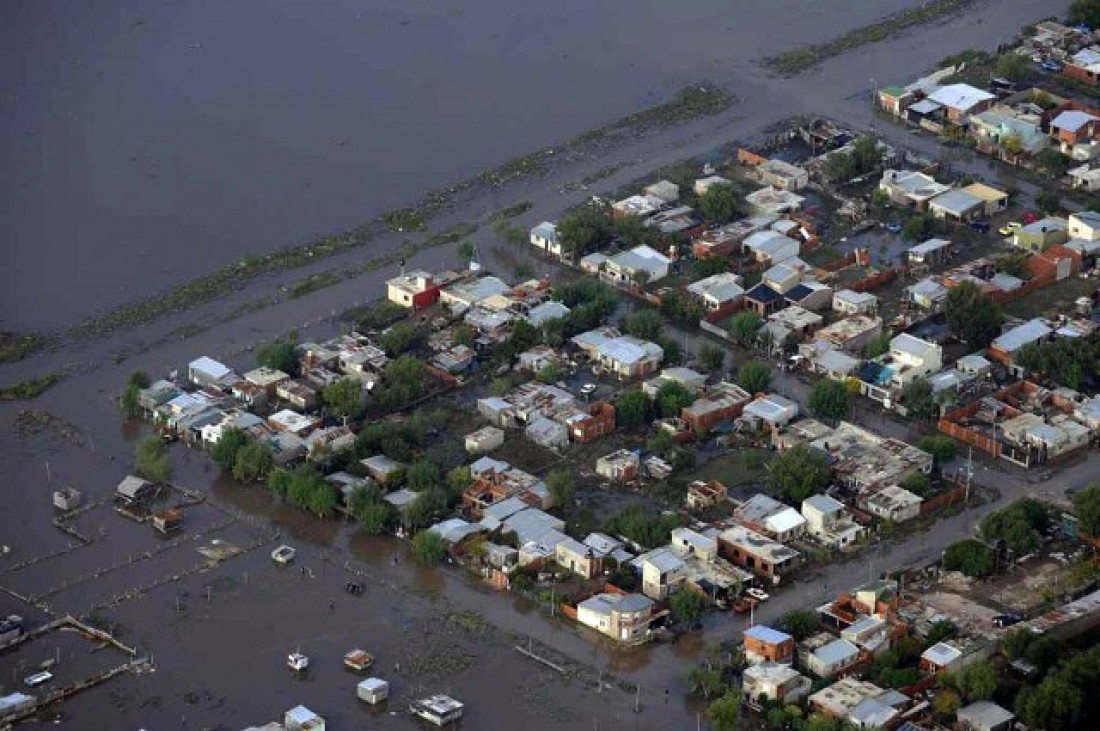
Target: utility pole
column 969, row 472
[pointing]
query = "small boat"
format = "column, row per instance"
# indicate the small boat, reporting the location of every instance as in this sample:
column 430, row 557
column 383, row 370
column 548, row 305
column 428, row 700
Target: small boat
column 358, row 660
column 283, row 555
column 297, row 662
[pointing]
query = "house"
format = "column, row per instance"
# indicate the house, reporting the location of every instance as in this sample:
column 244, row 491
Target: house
column 760, row 554
column 872, row 714
column 770, row 412
column 722, row 402
column 157, row 394
column 717, row 292
column 842, row 697
column 941, row 657
column 774, row 681
column 993, row 201
column 301, row 718
column 894, row 100
column 292, row 422
column 931, row 252
column 1084, row 66
column 702, row 185
column 456, row 530
column 466, row 294
column 620, row 466
column 985, row 715
column 296, row 394
column 266, row 378
column 1074, row 127
column 1042, row 233
column 786, row 274
column 382, row 469
column 547, row 433
column 911, row 358
column 625, row 356
column 764, row 644
column 594, row 263
column 852, row 334
column 1084, row 225
column 1005, row 346
column 212, row 432
column 829, row 522
column 895, row 504
column 825, row 358
column 782, row 175
column 830, row 657
column 910, row 188
column 588, row 424
column 662, row 574
column 642, row 265
column 850, row 302
column 640, row 206
column 534, row 360
column 767, row 515
column 542, row 313
column 575, row 556
column 249, row 394
column 764, row 300
column 688, row 543
column 703, row 495
column 545, row 236
column 792, row 322
column 770, row 247
column 622, row 617
column 995, row 126
column 693, row 381
column 134, row 489
column 209, row 372
column 1085, row 177
column 865, row 461
column 666, row 190
column 415, row 289
column 679, row 220
column 727, row 239
column 772, row 202
column 928, row 294
column 810, row 295
column 961, row 100
column 957, row 205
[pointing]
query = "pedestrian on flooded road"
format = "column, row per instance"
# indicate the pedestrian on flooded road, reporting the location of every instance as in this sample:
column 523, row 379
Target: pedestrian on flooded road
column 332, row 605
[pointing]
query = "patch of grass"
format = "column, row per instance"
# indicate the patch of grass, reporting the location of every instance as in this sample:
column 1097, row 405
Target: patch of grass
column 313, row 283
column 510, row 212
column 597, row 175
column 791, row 63
column 31, row 388
column 14, row 347
column 690, row 103
column 404, row 219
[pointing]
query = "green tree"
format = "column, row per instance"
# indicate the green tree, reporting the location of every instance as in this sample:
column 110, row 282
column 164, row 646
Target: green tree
column 971, row 557
column 343, row 398
column 429, row 547
column 672, row 397
column 151, row 460
column 1051, row 706
column 253, row 461
column 754, row 376
column 706, row 682
column 1051, row 162
column 919, row 227
column 798, row 473
column 724, row 712
column 562, row 488
column 500, row 386
column 584, row 230
column 550, row 373
column 373, row 514
column 744, row 326
column 466, row 250
column 941, row 630
column 917, row 483
column 978, row 682
column 458, row 479
column 280, row 355
column 128, row 402
column 828, row 400
column 632, row 408
column 703, row 268
column 879, row 346
column 1085, row 12
column 720, row 204
column 642, row 525
column 427, row 508
column 1065, row 360
column 422, row 475
column 712, row 357
column 633, row 232
column 918, row 399
column 643, row 323
column 224, row 451
column 686, row 606
column 1013, row 143
column 399, row 339
column 972, row 316
column 139, row 379
column 1013, row 66
column 946, row 703
column 1020, row 525
column 279, row 481
column 1048, row 201
column 1086, row 506
column 553, row 332
column 940, row 446
column 799, row 623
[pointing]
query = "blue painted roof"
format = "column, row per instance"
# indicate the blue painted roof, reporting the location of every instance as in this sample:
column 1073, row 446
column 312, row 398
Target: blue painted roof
column 763, row 293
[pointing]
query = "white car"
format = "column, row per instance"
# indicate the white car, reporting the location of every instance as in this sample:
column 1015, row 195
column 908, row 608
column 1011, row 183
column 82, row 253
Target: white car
column 758, row 594
column 38, row 678
column 588, row 389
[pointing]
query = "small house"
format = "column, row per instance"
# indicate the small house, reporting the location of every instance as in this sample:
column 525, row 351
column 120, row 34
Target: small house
column 764, row 644
column 829, row 521
column 831, row 658
column 774, row 681
column 66, row 499
column 932, row 252
column 545, row 236
column 1073, row 127
column 382, row 469
column 717, row 292
column 957, row 205
column 702, row 495
column 1084, row 66
column 484, row 440
column 209, row 372
column 895, row 504
column 547, row 433
column 301, row 718
column 415, row 290
column 984, row 716
column 1041, row 234
column 702, row 185
column 619, row 466
column 372, row 690
column 622, row 617
column 993, row 201
column 850, row 302
column 910, row 188
column 783, row 175
column 959, row 101
column 134, row 489
column 666, row 190
column 662, row 573
column 771, row 412
column 772, row 202
column 941, row 657
column 293, row 423
column 1084, row 225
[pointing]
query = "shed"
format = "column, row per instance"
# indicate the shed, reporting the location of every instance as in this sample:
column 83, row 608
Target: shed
column 985, row 716
column 301, row 718
column 484, row 440
column 134, row 489
column 373, row 690
column 547, row 433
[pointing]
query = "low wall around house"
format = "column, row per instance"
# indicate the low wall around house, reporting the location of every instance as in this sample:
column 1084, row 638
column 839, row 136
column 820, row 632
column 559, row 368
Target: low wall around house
column 748, row 157
column 874, row 281
column 938, row 502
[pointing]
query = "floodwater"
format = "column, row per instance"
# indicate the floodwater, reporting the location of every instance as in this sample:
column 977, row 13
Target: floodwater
column 144, row 144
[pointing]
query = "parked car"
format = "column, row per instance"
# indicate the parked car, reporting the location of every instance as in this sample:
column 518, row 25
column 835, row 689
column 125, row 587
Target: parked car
column 588, row 389
column 893, row 227
column 981, row 227
column 1051, row 65
column 1008, row 228
column 1029, row 217
column 1007, row 620
column 38, row 678
column 758, row 594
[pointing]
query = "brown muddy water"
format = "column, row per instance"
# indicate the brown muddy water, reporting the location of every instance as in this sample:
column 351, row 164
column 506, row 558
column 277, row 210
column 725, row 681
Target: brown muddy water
column 145, row 144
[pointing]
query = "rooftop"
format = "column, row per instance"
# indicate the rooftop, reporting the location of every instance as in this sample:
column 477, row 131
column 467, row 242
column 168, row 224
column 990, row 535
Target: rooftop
column 723, row 287
column 758, row 545
column 960, row 96
column 1072, row 120
column 1012, row 340
column 957, row 202
column 767, row 635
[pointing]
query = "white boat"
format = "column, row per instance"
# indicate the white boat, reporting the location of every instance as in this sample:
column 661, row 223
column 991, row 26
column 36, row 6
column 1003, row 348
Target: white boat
column 283, row 555
column 297, row 662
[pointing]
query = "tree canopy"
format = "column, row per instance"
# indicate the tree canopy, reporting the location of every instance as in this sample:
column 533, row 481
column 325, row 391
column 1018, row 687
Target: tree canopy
column 918, row 399
column 686, row 606
column 584, row 230
column 720, row 204
column 1085, row 12
column 151, row 460
column 429, row 547
column 632, row 408
column 643, row 323
column 281, row 355
column 754, row 376
column 672, row 397
column 828, row 400
column 972, row 316
column 343, row 398
column 863, row 158
column 940, row 446
column 799, row 623
column 973, row 558
column 1067, row 361
column 712, row 357
column 253, row 461
column 798, row 473
column 1020, row 525
column 1086, row 506
column 724, row 712
column 642, row 525
column 744, row 326
column 561, row 486
column 224, row 451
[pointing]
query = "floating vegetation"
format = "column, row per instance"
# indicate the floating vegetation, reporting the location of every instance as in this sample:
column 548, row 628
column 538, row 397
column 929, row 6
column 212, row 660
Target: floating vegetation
column 31, row 388
column 510, row 212
column 791, row 63
column 15, row 347
column 313, row 283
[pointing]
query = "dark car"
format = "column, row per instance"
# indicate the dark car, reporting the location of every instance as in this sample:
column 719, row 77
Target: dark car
column 981, row 227
column 1007, row 620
